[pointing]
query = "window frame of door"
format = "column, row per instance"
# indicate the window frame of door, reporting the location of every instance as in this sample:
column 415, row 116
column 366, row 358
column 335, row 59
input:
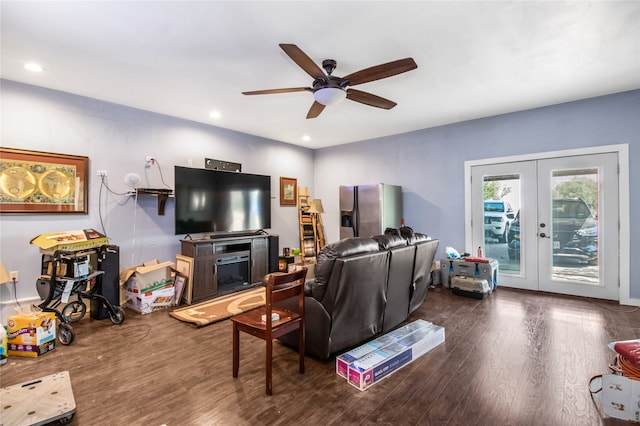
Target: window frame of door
column 623, row 186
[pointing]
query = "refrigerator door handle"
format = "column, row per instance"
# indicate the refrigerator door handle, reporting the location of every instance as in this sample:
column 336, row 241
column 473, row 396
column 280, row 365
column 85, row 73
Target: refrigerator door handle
column 356, row 213
column 356, row 222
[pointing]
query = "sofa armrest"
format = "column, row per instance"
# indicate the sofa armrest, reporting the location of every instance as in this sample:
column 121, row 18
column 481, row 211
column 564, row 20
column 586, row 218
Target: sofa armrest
column 317, row 327
column 308, row 286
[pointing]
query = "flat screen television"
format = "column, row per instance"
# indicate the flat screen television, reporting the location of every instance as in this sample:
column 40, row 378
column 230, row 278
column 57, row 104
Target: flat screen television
column 220, row 202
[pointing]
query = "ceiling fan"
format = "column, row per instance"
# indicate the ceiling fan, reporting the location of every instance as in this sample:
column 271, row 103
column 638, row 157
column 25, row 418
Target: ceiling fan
column 328, row 89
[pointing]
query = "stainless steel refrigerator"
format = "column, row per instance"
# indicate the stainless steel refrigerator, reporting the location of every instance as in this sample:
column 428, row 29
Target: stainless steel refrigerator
column 367, row 210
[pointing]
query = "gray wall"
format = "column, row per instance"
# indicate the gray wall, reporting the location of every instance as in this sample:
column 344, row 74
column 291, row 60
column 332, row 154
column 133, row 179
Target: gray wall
column 429, row 164
column 118, row 139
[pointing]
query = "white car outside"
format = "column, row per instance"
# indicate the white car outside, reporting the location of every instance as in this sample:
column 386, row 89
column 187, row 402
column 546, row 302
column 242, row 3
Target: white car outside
column 498, row 216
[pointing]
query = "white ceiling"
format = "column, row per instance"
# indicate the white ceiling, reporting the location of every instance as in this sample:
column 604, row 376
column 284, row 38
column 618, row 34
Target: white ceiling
column 187, row 58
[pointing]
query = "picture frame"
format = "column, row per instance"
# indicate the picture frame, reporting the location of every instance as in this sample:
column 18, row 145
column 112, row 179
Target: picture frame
column 288, row 191
column 35, row 182
column 184, row 266
column 179, row 282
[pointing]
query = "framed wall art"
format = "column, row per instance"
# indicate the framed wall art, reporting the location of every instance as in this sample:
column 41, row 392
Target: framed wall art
column 288, row 189
column 42, row 182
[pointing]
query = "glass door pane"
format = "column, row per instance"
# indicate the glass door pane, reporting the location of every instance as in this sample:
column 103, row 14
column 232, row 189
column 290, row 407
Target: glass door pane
column 504, row 206
column 501, row 195
column 574, row 233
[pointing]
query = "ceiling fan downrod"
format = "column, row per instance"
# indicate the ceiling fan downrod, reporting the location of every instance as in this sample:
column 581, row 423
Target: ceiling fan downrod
column 329, row 65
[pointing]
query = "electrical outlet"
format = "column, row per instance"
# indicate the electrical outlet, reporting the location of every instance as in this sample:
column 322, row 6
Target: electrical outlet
column 102, row 173
column 13, row 276
column 149, row 159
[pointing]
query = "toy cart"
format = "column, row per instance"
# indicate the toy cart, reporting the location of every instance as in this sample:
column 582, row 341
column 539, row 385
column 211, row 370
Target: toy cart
column 68, row 279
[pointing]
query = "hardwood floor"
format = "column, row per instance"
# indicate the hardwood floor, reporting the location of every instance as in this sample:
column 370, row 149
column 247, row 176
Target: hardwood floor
column 515, row 358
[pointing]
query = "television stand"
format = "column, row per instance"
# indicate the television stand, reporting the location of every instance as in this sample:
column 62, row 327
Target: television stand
column 223, row 264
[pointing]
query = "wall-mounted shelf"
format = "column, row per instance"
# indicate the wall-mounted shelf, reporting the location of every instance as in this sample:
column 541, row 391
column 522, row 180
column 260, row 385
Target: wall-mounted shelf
column 162, row 194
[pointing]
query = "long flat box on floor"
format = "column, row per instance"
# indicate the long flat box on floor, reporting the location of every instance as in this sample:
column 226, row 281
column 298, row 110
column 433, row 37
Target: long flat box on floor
column 379, row 364
column 343, row 361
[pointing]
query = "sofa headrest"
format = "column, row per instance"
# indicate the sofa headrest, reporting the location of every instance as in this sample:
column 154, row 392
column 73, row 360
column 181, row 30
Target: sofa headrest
column 329, row 253
column 389, row 241
column 392, row 231
column 407, row 234
column 350, row 246
column 418, row 238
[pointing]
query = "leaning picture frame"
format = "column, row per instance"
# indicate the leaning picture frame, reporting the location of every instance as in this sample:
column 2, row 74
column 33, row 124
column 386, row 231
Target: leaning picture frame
column 288, row 189
column 184, row 267
column 34, row 182
column 179, row 282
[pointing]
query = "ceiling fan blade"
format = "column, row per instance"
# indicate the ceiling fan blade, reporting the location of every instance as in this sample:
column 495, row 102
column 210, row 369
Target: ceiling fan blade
column 369, row 99
column 303, row 61
column 381, row 71
column 315, row 110
column 273, row 91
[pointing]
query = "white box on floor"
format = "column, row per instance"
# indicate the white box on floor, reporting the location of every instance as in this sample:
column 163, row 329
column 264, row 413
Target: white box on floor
column 621, row 397
column 148, row 287
column 380, row 363
column 343, row 361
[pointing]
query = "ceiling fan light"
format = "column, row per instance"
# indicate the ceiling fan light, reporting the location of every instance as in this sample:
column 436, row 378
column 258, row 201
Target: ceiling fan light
column 329, row 95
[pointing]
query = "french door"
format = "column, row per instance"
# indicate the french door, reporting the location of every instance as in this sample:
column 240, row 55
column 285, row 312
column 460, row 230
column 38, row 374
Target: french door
column 551, row 223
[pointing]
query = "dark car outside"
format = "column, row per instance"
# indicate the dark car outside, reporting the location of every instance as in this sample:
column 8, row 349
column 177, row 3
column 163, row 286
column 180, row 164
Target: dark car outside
column 513, row 238
column 575, row 232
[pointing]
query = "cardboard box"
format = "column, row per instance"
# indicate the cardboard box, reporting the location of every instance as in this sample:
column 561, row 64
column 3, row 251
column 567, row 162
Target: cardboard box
column 344, row 360
column 69, row 240
column 381, row 363
column 148, row 287
column 31, row 334
column 621, row 397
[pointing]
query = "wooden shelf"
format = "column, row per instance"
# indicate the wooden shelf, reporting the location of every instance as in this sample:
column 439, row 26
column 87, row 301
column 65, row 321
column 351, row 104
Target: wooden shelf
column 311, row 229
column 162, row 194
column 307, row 225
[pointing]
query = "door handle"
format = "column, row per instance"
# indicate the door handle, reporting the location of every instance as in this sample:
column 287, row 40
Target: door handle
column 543, row 235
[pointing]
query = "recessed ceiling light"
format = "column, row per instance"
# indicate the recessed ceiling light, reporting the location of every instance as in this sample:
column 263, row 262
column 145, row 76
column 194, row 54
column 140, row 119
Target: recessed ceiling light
column 214, row 114
column 306, row 138
column 32, row 66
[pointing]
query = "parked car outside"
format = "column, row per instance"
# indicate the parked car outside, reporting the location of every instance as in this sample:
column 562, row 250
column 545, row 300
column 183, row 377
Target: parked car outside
column 575, row 232
column 513, row 238
column 574, row 228
column 498, row 215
